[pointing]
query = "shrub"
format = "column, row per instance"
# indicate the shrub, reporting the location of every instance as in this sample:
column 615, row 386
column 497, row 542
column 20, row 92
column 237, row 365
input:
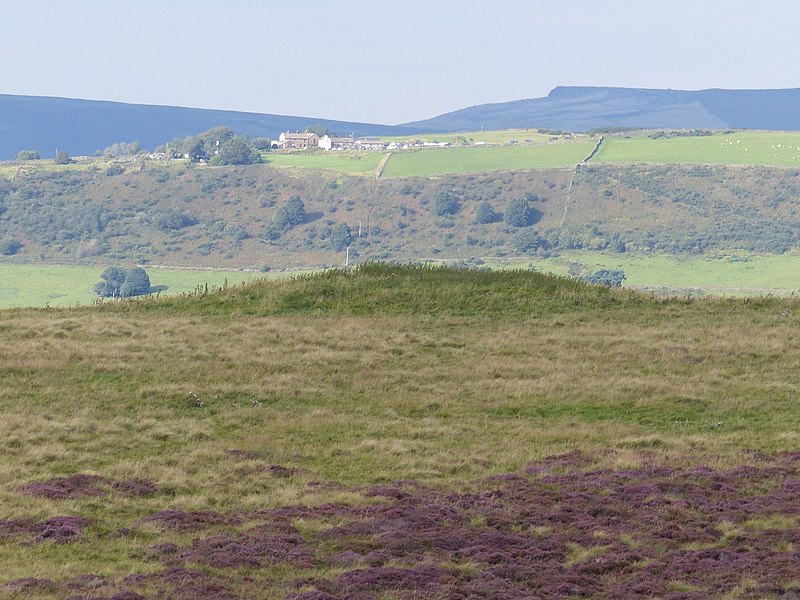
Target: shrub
column 529, row 241
column 291, row 214
column 607, row 277
column 341, row 237
column 444, row 204
column 485, row 214
column 62, row 158
column 10, row 247
column 518, row 213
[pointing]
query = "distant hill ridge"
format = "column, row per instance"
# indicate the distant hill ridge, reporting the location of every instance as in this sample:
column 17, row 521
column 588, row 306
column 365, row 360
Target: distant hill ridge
column 45, row 124
column 584, row 108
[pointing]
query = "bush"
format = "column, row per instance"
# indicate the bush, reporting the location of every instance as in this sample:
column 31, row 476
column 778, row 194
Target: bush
column 444, row 204
column 529, row 241
column 62, row 158
column 485, row 214
column 607, row 277
column 10, row 247
column 341, row 237
column 172, row 221
column 518, row 213
column 28, row 155
column 291, row 214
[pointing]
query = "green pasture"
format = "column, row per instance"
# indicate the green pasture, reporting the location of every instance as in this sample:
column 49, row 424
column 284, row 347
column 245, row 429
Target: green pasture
column 729, row 274
column 738, row 148
column 440, row 161
column 64, row 285
column 353, row 163
column 500, row 136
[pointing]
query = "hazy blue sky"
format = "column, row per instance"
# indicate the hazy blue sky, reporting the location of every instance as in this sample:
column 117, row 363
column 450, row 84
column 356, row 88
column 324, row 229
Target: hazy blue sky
column 388, row 60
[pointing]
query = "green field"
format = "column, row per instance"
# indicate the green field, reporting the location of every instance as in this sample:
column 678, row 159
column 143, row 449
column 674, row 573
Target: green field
column 738, row 148
column 499, row 136
column 61, row 285
column 440, row 161
column 730, row 274
column 353, row 163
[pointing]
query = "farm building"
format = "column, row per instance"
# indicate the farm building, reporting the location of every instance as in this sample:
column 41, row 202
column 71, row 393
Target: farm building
column 336, row 143
column 370, row 144
column 297, row 141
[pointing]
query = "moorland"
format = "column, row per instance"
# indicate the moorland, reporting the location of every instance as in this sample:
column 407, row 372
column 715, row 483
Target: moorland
column 395, row 432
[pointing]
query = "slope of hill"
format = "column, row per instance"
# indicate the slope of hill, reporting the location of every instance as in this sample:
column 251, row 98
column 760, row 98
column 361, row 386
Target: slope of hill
column 82, row 127
column 584, row 108
column 225, row 216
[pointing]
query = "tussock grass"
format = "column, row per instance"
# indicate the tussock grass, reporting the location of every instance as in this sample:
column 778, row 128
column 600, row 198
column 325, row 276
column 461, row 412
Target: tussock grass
column 367, row 376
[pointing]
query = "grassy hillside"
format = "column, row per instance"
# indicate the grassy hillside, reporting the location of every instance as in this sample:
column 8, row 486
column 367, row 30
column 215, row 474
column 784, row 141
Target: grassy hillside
column 736, row 148
column 224, row 217
column 440, row 161
column 317, row 395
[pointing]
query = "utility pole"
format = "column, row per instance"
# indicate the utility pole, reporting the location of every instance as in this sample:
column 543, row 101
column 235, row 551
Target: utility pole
column 347, row 257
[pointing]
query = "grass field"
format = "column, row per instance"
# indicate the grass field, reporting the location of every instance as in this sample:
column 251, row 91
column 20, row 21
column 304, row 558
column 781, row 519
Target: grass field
column 500, row 136
column 353, row 163
column 737, row 274
column 440, row 161
column 674, row 424
column 61, row 285
column 739, row 148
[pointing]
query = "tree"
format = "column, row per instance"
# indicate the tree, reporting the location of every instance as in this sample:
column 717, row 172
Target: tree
column 262, row 143
column 528, row 240
column 110, row 282
column 238, row 151
column 290, row 214
column 319, row 129
column 123, row 149
column 28, row 155
column 485, row 214
column 136, row 283
column 444, row 204
column 119, row 282
column 607, row 277
column 62, row 158
column 518, row 213
column 341, row 237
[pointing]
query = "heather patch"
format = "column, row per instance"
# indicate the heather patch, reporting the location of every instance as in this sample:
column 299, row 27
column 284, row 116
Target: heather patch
column 561, row 529
column 60, row 530
column 185, row 521
column 78, row 485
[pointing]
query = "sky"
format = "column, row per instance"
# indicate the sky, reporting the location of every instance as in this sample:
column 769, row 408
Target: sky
column 388, row 61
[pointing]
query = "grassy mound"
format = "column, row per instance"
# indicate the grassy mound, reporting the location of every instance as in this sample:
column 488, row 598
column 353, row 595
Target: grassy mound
column 245, row 441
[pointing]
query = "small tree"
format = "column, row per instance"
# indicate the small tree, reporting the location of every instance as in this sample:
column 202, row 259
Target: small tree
column 607, row 277
column 341, row 237
column 444, row 204
column 28, row 155
column 62, row 158
column 528, row 240
column 290, row 214
column 238, row 151
column 485, row 214
column 518, row 213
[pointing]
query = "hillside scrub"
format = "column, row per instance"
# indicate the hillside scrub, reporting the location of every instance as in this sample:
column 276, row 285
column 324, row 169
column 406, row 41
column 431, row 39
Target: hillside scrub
column 218, row 216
